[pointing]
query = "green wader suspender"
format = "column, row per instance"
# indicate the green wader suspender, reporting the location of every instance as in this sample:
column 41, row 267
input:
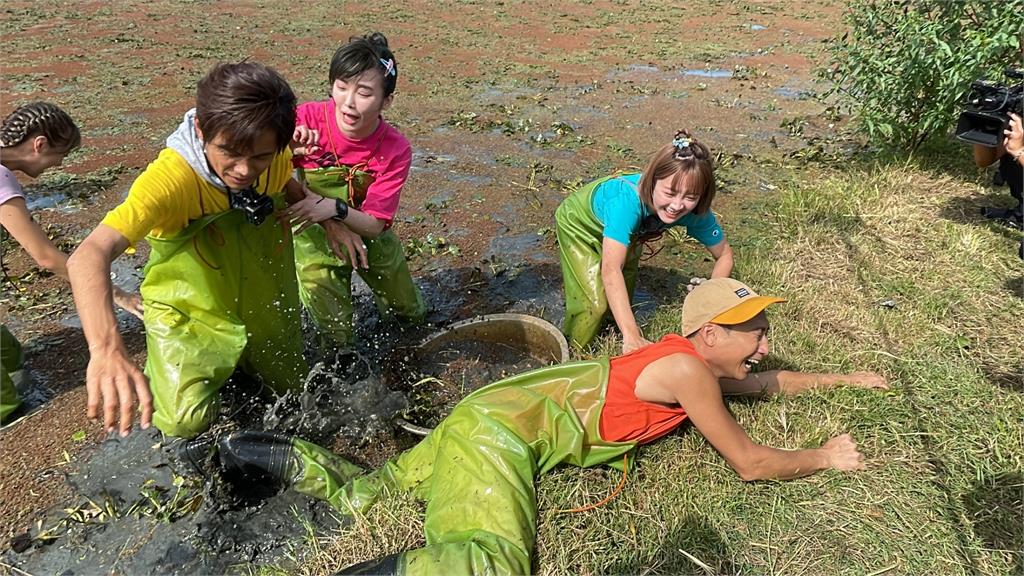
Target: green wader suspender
column 580, row 237
column 219, row 294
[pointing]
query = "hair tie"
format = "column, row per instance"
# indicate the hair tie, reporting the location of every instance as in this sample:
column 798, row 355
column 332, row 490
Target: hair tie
column 682, row 145
column 389, row 67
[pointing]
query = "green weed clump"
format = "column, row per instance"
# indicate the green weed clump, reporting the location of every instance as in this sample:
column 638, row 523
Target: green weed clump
column 903, row 68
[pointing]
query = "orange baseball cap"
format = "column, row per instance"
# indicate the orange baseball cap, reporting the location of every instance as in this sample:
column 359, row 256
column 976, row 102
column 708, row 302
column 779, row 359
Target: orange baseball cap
column 722, row 301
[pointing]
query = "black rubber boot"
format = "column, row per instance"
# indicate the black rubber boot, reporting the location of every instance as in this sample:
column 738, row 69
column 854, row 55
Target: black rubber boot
column 198, row 453
column 384, row 566
column 259, row 457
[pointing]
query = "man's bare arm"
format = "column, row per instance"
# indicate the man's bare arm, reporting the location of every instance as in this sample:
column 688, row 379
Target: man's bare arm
column 294, row 191
column 307, row 208
column 698, row 392
column 111, row 375
column 789, row 382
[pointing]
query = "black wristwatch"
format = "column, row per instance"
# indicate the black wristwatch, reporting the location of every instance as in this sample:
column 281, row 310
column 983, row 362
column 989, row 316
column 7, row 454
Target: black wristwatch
column 340, row 209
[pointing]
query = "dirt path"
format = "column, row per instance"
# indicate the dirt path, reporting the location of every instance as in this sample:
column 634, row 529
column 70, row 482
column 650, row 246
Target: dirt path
column 508, row 105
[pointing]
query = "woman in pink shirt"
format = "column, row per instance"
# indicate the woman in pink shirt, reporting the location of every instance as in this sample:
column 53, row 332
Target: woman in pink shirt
column 355, row 164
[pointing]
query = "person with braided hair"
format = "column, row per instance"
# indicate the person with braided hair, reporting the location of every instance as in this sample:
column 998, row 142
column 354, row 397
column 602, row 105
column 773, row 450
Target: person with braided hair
column 34, row 138
column 603, row 226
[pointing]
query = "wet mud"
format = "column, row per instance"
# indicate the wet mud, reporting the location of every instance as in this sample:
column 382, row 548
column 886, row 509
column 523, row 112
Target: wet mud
column 142, row 510
column 458, row 369
column 501, row 132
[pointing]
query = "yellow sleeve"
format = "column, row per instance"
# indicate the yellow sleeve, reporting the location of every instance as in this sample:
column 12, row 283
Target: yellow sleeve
column 279, row 173
column 156, row 200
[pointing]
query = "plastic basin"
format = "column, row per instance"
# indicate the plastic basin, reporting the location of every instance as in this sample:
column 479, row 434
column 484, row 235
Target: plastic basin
column 533, row 336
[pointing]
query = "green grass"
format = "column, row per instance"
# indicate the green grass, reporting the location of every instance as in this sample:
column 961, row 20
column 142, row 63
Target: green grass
column 945, row 446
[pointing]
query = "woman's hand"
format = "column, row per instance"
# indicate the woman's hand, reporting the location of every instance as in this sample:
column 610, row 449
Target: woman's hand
column 304, row 141
column 346, row 244
column 312, row 209
column 635, row 342
column 129, row 301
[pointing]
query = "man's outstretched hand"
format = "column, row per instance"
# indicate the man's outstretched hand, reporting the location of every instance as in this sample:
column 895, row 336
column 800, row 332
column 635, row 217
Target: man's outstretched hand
column 865, row 380
column 115, row 380
column 843, row 454
column 346, row 244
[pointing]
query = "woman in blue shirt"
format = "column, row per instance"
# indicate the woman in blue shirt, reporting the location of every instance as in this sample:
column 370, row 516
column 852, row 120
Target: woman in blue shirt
column 603, row 226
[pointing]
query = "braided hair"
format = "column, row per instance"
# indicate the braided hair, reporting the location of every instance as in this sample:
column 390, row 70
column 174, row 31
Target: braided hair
column 40, row 119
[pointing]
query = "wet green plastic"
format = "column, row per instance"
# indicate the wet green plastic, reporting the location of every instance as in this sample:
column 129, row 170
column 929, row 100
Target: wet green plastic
column 219, row 294
column 476, row 470
column 10, row 361
column 325, row 281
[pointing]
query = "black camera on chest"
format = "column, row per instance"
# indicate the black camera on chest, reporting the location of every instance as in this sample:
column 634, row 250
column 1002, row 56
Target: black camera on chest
column 254, row 205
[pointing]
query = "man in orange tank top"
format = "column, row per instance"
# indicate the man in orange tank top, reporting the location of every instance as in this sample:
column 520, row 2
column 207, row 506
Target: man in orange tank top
column 725, row 323
column 476, row 470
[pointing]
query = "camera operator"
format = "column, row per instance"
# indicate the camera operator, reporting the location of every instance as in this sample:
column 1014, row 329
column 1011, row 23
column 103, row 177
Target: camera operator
column 1010, row 155
column 1013, row 145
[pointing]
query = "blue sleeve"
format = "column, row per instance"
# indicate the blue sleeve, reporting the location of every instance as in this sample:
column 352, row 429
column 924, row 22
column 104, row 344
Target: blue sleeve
column 703, row 228
column 617, row 206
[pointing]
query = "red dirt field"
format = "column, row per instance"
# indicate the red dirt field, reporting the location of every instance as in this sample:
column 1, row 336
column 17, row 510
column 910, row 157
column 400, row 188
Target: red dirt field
column 508, row 105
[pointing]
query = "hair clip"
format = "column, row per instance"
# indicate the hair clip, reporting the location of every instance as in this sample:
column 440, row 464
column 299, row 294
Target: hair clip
column 682, row 145
column 389, row 67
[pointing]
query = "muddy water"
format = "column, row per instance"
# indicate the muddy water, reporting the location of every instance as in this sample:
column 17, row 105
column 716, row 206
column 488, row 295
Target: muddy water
column 142, row 511
column 451, row 373
column 345, row 398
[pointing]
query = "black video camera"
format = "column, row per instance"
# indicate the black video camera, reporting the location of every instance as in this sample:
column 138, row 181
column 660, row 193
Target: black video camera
column 254, row 205
column 987, row 110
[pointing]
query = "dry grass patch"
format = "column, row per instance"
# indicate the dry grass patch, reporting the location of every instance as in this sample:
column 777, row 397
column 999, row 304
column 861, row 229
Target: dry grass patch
column 393, row 524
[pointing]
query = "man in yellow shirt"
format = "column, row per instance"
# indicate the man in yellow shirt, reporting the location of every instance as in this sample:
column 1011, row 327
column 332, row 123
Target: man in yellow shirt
column 220, row 289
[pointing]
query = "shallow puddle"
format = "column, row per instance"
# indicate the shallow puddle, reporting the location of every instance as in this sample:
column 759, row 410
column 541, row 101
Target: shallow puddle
column 718, row 73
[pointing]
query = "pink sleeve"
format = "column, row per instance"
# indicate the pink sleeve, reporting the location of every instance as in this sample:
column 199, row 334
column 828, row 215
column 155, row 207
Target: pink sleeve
column 383, row 196
column 309, row 114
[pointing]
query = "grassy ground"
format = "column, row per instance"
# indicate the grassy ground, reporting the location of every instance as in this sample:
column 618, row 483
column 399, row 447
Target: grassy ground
column 886, row 269
column 885, row 265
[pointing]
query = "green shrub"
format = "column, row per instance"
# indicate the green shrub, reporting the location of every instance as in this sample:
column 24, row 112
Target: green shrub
column 904, row 66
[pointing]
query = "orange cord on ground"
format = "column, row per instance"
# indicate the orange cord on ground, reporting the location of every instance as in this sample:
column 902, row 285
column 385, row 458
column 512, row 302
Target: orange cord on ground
column 625, row 473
